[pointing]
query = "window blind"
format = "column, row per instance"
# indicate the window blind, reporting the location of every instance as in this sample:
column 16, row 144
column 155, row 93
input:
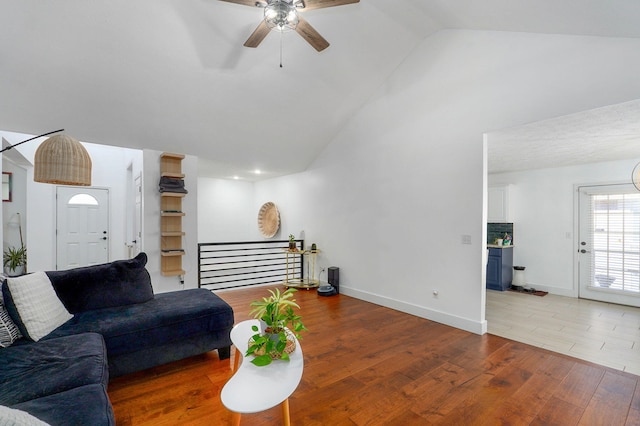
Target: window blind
column 614, row 232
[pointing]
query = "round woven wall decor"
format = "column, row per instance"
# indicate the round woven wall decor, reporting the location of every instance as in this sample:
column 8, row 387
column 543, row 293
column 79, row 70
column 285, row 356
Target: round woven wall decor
column 635, row 176
column 268, row 220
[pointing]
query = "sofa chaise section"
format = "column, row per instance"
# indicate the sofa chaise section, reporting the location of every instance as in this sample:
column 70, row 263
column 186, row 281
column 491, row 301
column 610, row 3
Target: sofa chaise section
column 169, row 327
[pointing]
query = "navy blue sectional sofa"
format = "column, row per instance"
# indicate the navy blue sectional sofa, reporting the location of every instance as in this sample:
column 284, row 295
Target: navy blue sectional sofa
column 118, row 327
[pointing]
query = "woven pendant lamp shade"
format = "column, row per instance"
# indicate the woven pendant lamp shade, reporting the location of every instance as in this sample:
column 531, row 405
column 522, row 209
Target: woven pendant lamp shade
column 62, row 160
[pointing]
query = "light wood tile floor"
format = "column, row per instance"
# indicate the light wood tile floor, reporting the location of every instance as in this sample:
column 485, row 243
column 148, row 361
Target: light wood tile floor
column 603, row 333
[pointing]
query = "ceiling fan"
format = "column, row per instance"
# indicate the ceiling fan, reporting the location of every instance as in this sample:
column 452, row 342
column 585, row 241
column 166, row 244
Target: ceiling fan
column 282, row 16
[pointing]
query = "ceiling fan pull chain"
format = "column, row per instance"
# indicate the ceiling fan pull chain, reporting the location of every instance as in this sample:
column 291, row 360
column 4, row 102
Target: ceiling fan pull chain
column 280, row 49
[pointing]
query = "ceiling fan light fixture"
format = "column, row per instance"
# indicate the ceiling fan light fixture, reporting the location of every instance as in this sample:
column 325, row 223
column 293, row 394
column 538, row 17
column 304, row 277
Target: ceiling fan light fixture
column 279, row 15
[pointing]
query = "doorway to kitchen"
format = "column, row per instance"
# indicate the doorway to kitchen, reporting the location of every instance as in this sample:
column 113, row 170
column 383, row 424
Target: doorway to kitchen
column 609, row 244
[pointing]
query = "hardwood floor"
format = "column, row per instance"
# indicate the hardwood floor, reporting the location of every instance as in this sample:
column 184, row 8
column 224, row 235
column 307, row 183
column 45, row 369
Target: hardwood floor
column 369, row 365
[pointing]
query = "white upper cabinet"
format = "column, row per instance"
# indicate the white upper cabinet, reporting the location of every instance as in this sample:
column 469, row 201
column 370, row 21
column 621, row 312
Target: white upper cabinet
column 498, row 204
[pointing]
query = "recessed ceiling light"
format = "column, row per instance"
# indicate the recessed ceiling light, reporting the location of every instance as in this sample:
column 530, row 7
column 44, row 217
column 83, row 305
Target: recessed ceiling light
column 236, row 177
column 257, row 171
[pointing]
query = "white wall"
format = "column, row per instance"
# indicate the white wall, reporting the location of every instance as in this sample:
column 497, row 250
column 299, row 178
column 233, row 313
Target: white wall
column 151, row 220
column 392, row 195
column 542, row 203
column 226, row 211
column 18, row 204
column 304, row 212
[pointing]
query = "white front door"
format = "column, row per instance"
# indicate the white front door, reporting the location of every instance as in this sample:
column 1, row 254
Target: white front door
column 609, row 244
column 82, row 226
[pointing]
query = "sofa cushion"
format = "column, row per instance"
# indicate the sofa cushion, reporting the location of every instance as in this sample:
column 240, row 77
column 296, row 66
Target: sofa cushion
column 14, row 417
column 9, row 332
column 161, row 354
column 169, row 317
column 38, row 310
column 50, row 366
column 122, row 282
column 84, row 405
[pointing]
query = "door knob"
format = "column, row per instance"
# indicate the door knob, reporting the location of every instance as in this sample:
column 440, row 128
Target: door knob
column 103, row 238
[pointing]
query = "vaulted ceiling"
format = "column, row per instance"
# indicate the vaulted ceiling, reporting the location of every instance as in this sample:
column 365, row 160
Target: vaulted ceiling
column 173, row 74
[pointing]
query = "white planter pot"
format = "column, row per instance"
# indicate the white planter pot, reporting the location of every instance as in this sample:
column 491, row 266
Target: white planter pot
column 14, row 272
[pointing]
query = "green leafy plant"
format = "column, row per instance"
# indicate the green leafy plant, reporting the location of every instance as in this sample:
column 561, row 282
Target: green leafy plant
column 14, row 257
column 277, row 314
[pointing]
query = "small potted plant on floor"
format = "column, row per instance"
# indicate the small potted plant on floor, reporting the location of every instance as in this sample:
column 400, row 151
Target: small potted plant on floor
column 279, row 320
column 15, row 260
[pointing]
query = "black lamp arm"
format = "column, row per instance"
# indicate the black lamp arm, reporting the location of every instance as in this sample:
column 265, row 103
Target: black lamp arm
column 30, row 139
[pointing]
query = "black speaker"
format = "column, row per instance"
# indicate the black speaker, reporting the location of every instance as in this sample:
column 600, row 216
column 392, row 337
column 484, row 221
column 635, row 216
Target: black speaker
column 333, row 277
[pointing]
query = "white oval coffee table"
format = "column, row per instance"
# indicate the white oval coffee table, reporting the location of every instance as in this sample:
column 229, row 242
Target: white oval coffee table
column 253, row 389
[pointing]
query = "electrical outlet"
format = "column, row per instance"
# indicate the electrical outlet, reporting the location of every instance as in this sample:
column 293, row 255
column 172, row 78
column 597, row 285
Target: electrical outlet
column 466, row 239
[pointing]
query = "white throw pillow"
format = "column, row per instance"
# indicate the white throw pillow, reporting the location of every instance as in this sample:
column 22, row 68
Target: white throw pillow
column 13, row 417
column 38, row 305
column 9, row 332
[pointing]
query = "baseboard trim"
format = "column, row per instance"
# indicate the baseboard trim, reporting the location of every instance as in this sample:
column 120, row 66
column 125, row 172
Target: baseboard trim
column 476, row 327
column 554, row 290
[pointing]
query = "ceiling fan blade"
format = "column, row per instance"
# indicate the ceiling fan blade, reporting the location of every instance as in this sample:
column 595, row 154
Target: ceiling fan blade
column 252, row 3
column 309, row 33
column 319, row 4
column 258, row 35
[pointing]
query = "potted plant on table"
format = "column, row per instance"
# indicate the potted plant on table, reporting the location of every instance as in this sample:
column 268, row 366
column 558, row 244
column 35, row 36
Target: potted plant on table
column 280, row 321
column 292, row 243
column 14, row 261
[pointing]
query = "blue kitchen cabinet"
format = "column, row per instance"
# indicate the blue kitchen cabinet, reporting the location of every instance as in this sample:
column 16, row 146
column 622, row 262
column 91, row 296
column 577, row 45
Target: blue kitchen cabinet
column 499, row 268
